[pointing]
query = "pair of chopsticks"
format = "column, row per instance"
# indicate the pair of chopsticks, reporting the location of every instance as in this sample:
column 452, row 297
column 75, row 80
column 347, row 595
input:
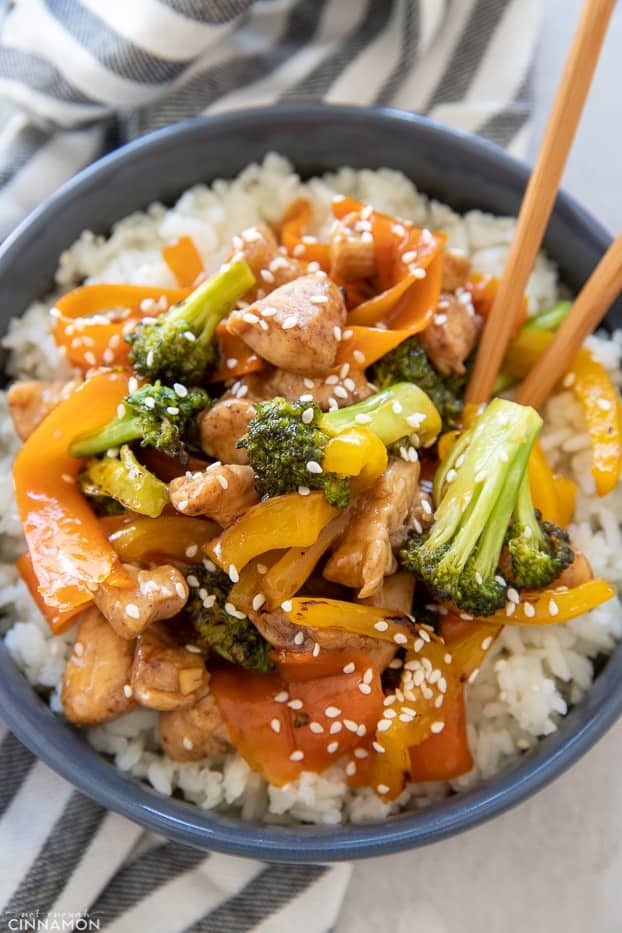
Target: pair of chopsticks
column 604, row 284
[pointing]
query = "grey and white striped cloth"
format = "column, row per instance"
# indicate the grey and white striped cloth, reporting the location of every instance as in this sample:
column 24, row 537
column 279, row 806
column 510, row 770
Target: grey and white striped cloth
column 78, row 77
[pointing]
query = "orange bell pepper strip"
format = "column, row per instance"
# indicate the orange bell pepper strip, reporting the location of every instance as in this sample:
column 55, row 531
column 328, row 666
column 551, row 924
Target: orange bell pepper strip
column 251, row 580
column 416, row 308
column 380, row 306
column 293, row 569
column 296, row 666
column 484, row 289
column 280, row 522
column 277, row 741
column 69, row 550
column 293, row 238
column 596, row 393
column 236, row 357
column 446, row 755
column 87, row 336
column 176, row 537
column 184, row 260
column 362, row 346
column 59, row 621
column 553, row 605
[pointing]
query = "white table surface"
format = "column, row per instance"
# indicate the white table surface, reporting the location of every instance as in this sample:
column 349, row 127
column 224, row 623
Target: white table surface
column 554, row 863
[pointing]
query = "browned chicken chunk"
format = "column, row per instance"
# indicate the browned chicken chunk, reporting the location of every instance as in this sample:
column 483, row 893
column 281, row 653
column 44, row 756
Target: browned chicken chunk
column 271, row 267
column 29, row 402
column 297, row 327
column 221, row 427
column 364, row 555
column 222, row 492
column 165, row 675
column 456, row 270
column 159, row 593
column 195, row 733
column 353, row 387
column 97, row 676
column 451, row 335
column 352, row 250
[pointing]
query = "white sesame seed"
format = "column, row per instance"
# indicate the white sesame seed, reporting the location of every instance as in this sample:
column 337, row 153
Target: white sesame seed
column 553, row 608
column 282, row 697
column 287, row 606
column 332, row 747
column 418, row 644
column 232, row 362
column 349, row 668
column 250, row 318
column 397, row 407
column 383, row 788
column 127, row 690
column 345, row 369
column 332, row 712
column 390, row 713
column 132, row 611
column 298, row 755
column 451, row 475
column 193, row 649
column 316, row 727
column 350, row 725
column 275, row 725
column 78, row 649
column 381, row 625
column 409, row 256
column 180, row 390
column 316, row 649
column 377, row 747
column 529, row 610
column 261, row 568
column 318, row 299
column 331, row 380
column 602, row 403
column 482, row 476
column 510, row 608
column 267, row 276
column 341, row 392
column 303, row 491
column 299, row 638
column 314, row 467
column 359, row 356
column 418, row 273
column 362, row 418
column 383, row 725
column 350, row 768
column 191, row 550
column 223, row 481
column 307, row 415
column 234, row 576
column 180, row 589
column 473, row 675
column 308, row 383
column 512, row 595
column 192, row 580
column 400, row 639
column 425, row 505
column 269, row 311
column 258, row 601
column 295, row 704
column 437, row 727
column 487, row 642
column 569, row 380
column 337, row 332
column 289, row 322
column 335, row 727
column 365, row 688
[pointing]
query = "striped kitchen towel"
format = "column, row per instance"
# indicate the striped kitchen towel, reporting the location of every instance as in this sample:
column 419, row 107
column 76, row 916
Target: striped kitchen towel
column 78, row 77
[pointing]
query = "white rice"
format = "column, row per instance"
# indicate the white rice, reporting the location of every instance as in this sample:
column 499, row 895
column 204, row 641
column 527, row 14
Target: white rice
column 532, row 675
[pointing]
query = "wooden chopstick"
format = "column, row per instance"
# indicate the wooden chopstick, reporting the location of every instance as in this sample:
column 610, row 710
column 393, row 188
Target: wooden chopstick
column 601, row 289
column 540, row 195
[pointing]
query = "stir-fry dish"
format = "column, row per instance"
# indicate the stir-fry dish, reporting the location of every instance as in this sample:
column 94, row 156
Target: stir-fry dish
column 266, row 513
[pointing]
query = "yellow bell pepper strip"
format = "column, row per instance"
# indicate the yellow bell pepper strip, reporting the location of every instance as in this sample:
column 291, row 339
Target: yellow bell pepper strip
column 598, row 396
column 293, row 238
column 552, row 494
column 59, row 621
column 371, row 621
column 235, row 357
column 69, row 550
column 184, row 260
column 357, row 452
column 174, row 537
column 553, row 605
column 445, row 442
column 288, row 574
column 127, row 481
column 285, row 521
column 87, row 336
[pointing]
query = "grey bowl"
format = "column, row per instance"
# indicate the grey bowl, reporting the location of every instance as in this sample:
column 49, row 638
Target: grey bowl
column 458, row 168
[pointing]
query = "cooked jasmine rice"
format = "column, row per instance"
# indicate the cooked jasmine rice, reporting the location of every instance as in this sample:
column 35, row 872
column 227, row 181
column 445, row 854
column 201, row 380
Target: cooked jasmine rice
column 532, row 675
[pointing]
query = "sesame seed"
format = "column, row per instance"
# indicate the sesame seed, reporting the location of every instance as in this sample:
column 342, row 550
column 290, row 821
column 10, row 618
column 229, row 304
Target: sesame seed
column 332, row 747
column 337, row 332
column 390, row 713
column 341, row 392
column 368, row 675
column 500, row 580
column 289, row 322
column 232, row 362
column 275, row 725
column 132, row 611
column 189, row 336
column 299, row 638
column 345, row 369
column 390, row 700
column 350, row 768
column 287, row 605
column 250, row 318
column 180, row 589
column 180, row 391
column 440, row 319
column 569, row 380
column 377, row 747
column 316, row 727
column 418, row 644
column 295, row 704
column 478, row 578
column 331, row 380
column 78, row 649
column 298, row 755
column 316, row 649
column 224, row 482
column 510, row 608
column 362, row 730
column 282, row 697
column 365, row 688
column 362, row 418
column 307, row 415
column 234, row 576
column 383, row 788
column 418, row 273
column 397, row 407
column 314, row 467
column 192, row 580
column 602, row 403
column 425, row 505
column 308, row 383
column 400, row 639
column 350, row 725
column 482, row 476
column 349, row 668
column 172, row 410
column 267, row 276
column 451, row 475
column 335, row 728
column 258, row 601
column 512, row 595
column 383, row 725
column 487, row 642
column 529, row 610
column 303, row 491
column 553, row 607
column 318, row 299
column 437, row 727
column 332, row 712
column 193, row 649
column 127, row 690
column 473, row 675
column 67, row 478
column 261, row 568
column 359, row 356
column 269, row 311
column 132, row 384
column 409, row 256
column 381, row 625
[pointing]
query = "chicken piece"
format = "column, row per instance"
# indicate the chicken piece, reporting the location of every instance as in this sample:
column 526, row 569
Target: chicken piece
column 456, row 270
column 364, row 555
column 578, row 572
column 297, row 327
column 452, row 334
column 195, row 733
column 165, row 675
column 352, row 250
column 395, row 593
column 266, row 385
column 159, row 593
column 281, row 633
column 221, row 492
column 97, row 676
column 420, row 514
column 221, row 427
column 30, row 401
column 272, row 268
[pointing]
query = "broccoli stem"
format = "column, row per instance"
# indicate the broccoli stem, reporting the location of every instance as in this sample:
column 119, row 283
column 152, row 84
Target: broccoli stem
column 392, row 414
column 116, row 432
column 204, row 308
column 525, row 514
column 551, row 319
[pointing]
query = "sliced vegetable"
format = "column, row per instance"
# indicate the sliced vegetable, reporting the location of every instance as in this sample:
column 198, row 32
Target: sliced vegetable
column 59, row 621
column 127, row 481
column 184, row 260
column 557, row 604
column 356, row 452
column 445, row 755
column 177, row 537
column 69, row 550
column 551, row 319
column 552, row 494
column 235, row 356
column 484, row 289
column 284, row 521
column 296, row 242
column 372, row 621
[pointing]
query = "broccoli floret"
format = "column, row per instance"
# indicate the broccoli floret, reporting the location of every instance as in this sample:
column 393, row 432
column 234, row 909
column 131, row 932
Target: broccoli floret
column 285, row 445
column 155, row 415
column 476, row 490
column 179, row 346
column 539, row 550
column 126, row 481
column 232, row 636
column 409, row 362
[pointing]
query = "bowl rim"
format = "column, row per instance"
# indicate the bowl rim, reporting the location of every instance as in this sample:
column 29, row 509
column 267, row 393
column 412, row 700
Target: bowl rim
column 58, row 745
